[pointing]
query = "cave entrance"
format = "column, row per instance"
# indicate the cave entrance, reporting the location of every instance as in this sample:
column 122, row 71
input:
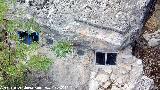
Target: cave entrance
column 28, row 38
column 105, row 58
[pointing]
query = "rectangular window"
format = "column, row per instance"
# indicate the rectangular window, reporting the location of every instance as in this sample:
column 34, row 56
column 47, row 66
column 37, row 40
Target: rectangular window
column 100, row 58
column 111, row 58
column 106, row 58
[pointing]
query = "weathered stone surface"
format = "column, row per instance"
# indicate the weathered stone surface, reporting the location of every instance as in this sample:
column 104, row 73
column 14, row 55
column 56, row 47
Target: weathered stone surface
column 12, row 43
column 123, row 76
column 152, row 24
column 70, row 72
column 102, row 77
column 73, row 71
column 153, row 38
column 108, row 70
column 115, row 88
column 107, row 84
column 41, row 79
column 114, row 22
column 145, row 83
column 93, row 85
column 65, row 75
column 104, row 25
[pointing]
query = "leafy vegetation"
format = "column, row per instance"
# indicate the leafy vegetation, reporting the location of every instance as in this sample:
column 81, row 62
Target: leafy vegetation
column 12, row 70
column 62, row 48
column 32, row 25
column 39, row 63
column 14, row 62
column 3, row 10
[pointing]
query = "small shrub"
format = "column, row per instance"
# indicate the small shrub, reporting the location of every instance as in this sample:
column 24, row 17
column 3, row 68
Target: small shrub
column 39, row 63
column 61, row 49
column 13, row 60
column 3, row 10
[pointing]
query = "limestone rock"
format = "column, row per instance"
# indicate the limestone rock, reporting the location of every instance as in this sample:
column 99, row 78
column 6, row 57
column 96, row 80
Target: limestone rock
column 69, row 74
column 93, row 85
column 107, row 84
column 139, row 62
column 108, row 70
column 115, row 88
column 115, row 23
column 113, row 77
column 102, row 77
column 107, row 25
column 152, row 24
column 12, row 43
column 153, row 38
column 127, row 67
column 145, row 83
column 92, row 75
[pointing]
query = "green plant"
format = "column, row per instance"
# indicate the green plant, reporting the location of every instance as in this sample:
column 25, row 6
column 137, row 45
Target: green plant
column 12, row 71
column 13, row 63
column 3, row 10
column 62, row 48
column 13, row 60
column 32, row 25
column 39, row 63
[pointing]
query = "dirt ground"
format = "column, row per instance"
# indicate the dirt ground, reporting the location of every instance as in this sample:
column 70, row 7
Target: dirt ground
column 150, row 55
column 151, row 61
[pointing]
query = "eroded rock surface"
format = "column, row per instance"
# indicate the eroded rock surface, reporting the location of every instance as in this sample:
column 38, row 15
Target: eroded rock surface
column 79, row 72
column 106, row 25
column 153, row 38
column 126, row 75
column 116, row 22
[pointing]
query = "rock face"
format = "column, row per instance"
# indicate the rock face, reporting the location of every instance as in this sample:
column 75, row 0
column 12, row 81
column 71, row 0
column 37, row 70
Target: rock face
column 148, row 49
column 77, row 71
column 104, row 25
column 71, row 72
column 126, row 75
column 153, row 38
column 145, row 83
column 113, row 22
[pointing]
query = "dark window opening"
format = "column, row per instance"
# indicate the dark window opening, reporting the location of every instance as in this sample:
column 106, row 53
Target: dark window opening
column 106, row 58
column 21, row 1
column 100, row 58
column 28, row 38
column 111, row 58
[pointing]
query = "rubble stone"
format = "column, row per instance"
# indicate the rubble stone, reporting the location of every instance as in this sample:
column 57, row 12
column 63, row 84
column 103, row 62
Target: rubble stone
column 153, row 38
column 102, row 77
column 145, row 83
